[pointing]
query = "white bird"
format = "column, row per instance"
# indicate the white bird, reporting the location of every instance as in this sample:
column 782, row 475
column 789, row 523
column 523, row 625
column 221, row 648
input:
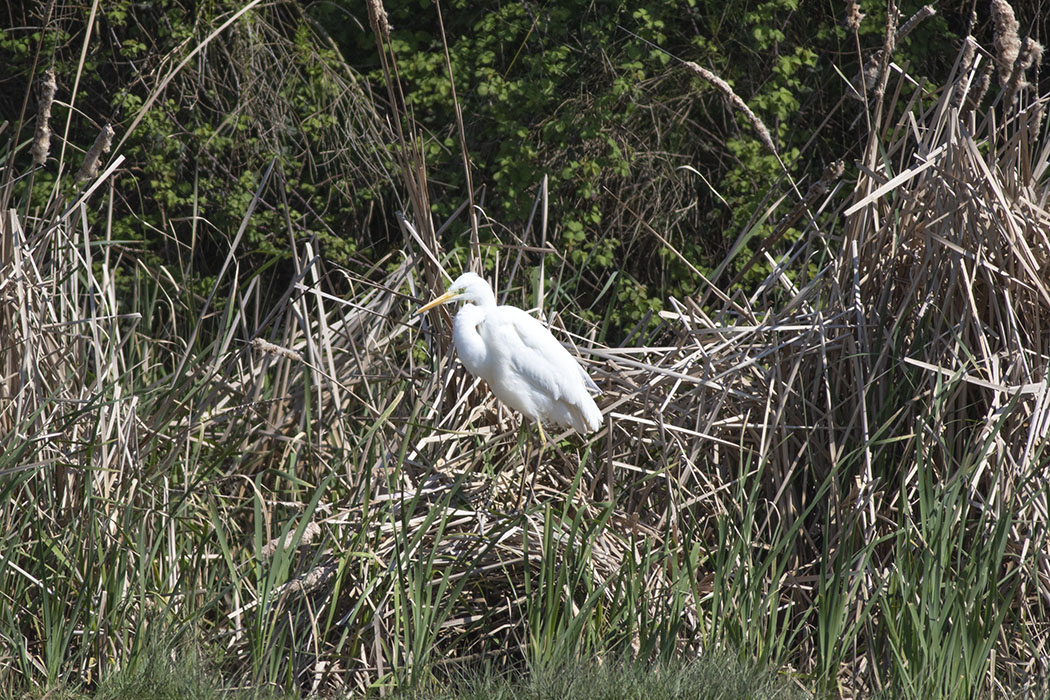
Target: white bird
column 523, row 364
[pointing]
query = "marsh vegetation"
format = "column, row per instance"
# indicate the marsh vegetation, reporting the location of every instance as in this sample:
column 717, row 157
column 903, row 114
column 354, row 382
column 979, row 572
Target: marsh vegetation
column 224, row 431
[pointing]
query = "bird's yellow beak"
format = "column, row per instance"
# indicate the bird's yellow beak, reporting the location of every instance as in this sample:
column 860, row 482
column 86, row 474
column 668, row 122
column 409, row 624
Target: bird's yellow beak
column 443, row 299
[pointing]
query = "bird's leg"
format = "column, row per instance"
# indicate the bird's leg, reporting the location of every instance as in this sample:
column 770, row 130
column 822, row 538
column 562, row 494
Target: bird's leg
column 523, row 437
column 524, row 466
column 539, row 462
column 543, row 435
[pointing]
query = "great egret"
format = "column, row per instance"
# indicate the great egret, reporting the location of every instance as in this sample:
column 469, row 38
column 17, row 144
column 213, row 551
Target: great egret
column 523, row 364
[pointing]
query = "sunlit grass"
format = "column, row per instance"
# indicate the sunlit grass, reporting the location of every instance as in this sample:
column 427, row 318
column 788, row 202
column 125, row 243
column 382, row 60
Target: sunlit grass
column 709, row 677
column 161, row 673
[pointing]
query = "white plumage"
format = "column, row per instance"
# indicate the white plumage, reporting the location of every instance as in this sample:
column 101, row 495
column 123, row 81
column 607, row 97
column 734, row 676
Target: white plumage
column 523, row 364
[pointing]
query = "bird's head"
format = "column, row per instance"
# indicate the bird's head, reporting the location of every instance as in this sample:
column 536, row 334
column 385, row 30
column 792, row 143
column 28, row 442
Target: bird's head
column 467, row 287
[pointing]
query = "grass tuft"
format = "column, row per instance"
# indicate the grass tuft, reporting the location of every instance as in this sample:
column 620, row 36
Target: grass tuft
column 710, row 677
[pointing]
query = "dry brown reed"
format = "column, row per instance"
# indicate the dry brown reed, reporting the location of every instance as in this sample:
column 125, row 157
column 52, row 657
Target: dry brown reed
column 979, row 88
column 871, row 75
column 935, row 274
column 943, row 270
column 62, row 333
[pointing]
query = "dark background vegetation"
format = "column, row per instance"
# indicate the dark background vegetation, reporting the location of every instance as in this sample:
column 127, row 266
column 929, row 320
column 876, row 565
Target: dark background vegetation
column 588, row 93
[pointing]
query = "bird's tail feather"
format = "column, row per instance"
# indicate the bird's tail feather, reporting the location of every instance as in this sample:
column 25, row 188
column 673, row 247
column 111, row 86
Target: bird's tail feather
column 586, row 417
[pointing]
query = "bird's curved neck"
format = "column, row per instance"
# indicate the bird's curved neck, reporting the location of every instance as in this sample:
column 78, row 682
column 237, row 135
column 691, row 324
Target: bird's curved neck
column 486, row 298
column 469, row 345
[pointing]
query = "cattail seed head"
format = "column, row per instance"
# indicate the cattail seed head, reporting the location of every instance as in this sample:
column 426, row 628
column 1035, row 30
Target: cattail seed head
column 1037, row 118
column 1031, row 53
column 757, row 124
column 867, row 78
column 1007, row 43
column 853, row 16
column 264, row 346
column 42, row 137
column 925, row 12
column 380, row 21
column 89, row 169
column 980, row 87
column 965, row 67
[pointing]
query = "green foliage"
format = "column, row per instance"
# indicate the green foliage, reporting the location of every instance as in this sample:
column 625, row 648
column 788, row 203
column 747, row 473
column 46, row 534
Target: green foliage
column 196, row 156
column 538, row 98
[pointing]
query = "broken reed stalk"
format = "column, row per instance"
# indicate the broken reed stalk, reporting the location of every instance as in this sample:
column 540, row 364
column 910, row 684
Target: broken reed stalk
column 979, row 89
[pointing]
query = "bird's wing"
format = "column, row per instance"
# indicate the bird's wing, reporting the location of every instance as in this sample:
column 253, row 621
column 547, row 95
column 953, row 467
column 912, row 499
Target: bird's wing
column 545, row 361
column 591, row 386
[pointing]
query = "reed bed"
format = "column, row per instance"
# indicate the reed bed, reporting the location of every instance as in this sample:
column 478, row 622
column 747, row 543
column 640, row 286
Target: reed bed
column 839, row 474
